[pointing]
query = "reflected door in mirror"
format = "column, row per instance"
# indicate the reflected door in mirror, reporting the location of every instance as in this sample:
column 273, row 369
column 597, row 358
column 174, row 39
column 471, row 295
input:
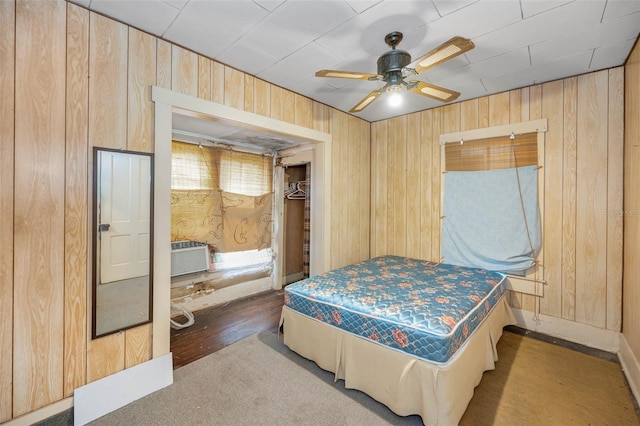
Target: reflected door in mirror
column 123, row 243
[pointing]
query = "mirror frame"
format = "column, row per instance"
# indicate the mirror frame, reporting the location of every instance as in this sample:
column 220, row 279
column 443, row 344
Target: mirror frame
column 95, row 242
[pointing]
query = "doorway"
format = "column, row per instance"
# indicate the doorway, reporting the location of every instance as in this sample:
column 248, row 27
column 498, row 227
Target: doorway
column 318, row 148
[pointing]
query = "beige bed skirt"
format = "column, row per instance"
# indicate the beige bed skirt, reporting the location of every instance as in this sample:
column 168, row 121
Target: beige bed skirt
column 439, row 393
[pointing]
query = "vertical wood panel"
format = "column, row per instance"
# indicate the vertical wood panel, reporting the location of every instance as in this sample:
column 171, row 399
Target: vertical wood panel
column 249, row 93
column 436, row 130
column 591, row 230
column 499, row 109
column 515, row 106
column 427, row 148
column 205, row 83
column 397, row 219
column 137, row 345
column 105, row 356
column 38, row 336
column 552, row 109
column 7, row 92
column 141, row 76
column 107, row 83
column 304, row 111
column 77, row 199
column 413, row 195
column 339, row 189
column 364, row 166
column 108, row 128
column 352, row 199
column 263, row 98
column 528, row 302
column 288, row 107
column 615, row 181
column 483, row 112
column 218, row 82
column 569, row 209
column 233, row 88
column 163, row 62
column 631, row 281
column 469, row 115
column 277, row 103
column 184, row 71
column 379, row 168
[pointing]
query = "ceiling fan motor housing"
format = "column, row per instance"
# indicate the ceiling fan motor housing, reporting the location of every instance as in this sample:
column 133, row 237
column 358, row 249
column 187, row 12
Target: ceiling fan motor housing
column 393, row 60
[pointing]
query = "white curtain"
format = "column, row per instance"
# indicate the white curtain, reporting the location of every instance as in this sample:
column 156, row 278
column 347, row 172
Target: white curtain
column 491, row 219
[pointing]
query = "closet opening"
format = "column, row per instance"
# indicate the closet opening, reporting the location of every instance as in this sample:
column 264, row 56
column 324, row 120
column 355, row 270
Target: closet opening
column 296, row 222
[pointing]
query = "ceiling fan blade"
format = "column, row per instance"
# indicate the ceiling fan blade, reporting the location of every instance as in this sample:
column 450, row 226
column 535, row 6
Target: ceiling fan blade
column 434, row 92
column 366, row 101
column 450, row 49
column 347, row 74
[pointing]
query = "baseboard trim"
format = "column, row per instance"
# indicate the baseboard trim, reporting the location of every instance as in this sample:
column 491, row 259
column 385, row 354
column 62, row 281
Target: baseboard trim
column 630, row 367
column 103, row 396
column 291, row 278
column 588, row 335
column 41, row 414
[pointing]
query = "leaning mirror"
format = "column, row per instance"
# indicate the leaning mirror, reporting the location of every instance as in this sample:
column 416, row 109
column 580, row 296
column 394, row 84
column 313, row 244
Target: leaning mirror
column 122, row 240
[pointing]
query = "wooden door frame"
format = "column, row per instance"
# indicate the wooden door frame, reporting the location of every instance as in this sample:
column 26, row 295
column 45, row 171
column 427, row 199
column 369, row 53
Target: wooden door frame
column 167, row 103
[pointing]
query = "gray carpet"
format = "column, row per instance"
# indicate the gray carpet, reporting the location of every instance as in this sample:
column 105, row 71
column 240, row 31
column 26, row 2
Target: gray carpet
column 256, row 381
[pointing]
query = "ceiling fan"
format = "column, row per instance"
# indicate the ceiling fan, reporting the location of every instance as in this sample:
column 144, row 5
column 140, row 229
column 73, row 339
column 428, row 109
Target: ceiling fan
column 395, row 65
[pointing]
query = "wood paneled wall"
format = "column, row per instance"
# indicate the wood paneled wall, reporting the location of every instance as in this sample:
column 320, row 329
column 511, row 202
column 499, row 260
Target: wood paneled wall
column 583, row 187
column 84, row 80
column 631, row 291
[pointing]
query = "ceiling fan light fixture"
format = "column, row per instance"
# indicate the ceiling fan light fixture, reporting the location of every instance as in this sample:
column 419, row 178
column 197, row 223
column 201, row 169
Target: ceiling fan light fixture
column 395, row 94
column 395, row 66
column 395, row 99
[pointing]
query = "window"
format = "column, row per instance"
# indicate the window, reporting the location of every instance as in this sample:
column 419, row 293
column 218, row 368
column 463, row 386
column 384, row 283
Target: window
column 491, row 210
column 192, row 167
column 492, row 153
column 217, row 191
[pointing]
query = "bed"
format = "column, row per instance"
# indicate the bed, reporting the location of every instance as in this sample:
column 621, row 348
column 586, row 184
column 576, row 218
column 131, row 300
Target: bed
column 412, row 334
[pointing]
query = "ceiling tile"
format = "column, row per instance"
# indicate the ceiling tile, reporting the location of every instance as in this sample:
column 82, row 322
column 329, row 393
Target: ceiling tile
column 618, row 8
column 152, row 16
column 178, row 4
column 360, row 6
column 445, row 7
column 209, row 27
column 365, row 33
column 299, row 64
column 598, row 35
column 474, row 20
column 567, row 66
column 270, row 5
column 604, row 57
column 534, row 7
column 295, row 24
column 502, row 64
column 246, row 57
column 538, row 28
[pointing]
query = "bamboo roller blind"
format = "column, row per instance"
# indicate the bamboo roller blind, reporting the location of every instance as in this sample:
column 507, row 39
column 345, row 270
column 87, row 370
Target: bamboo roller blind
column 492, row 153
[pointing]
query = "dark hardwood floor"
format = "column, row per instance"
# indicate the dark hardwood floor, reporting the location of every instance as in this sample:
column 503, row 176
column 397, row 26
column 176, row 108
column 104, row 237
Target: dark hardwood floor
column 220, row 326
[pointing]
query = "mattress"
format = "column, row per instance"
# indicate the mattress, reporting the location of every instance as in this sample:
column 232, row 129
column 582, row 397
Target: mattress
column 424, row 309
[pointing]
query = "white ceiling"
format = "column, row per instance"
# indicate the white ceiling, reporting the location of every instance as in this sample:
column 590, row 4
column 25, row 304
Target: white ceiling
column 518, row 42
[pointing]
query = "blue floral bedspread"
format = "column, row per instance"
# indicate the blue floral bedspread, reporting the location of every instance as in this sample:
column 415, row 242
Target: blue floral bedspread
column 415, row 306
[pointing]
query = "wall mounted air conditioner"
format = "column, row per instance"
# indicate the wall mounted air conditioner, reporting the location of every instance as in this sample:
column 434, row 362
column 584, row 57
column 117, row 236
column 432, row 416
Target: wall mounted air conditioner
column 188, row 257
